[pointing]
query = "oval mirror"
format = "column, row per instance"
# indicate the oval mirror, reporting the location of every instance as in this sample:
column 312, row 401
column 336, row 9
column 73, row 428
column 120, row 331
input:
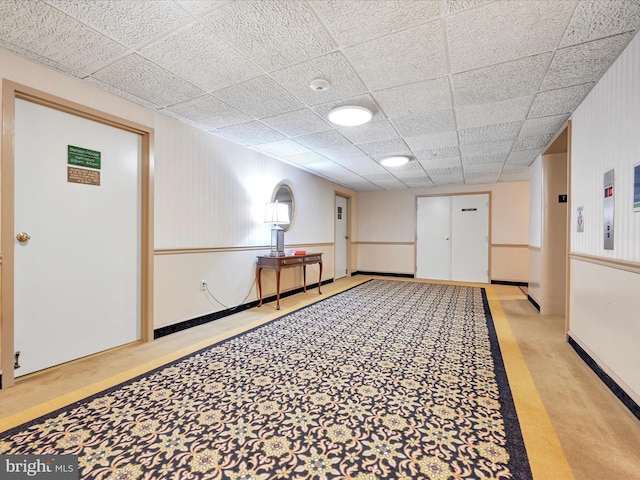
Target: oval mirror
column 283, row 194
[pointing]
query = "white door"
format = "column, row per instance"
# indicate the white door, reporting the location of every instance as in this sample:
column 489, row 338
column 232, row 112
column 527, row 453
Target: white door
column 77, row 279
column 470, row 238
column 433, row 245
column 453, row 238
column 341, row 242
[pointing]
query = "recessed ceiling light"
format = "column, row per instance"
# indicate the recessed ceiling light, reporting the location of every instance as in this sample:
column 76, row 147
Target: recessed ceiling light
column 395, row 161
column 350, row 115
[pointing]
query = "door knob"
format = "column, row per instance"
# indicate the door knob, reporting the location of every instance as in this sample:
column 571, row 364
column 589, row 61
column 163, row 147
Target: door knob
column 446, row 238
column 23, row 237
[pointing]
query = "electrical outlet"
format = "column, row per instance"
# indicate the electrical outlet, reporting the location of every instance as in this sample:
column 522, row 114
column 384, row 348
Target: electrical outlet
column 203, row 285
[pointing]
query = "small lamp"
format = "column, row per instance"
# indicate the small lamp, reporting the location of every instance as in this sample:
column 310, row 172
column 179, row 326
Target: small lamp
column 278, row 214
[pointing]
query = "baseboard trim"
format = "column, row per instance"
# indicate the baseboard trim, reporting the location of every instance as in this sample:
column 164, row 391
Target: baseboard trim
column 194, row 322
column 533, row 302
column 508, row 282
column 385, row 274
column 606, row 379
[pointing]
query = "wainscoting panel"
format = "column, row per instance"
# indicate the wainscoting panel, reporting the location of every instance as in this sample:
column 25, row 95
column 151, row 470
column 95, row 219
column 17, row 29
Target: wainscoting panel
column 604, row 318
column 386, row 257
column 510, row 263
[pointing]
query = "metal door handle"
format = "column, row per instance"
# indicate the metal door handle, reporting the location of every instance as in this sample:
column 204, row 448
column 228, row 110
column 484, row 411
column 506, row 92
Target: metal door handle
column 23, row 237
column 446, row 238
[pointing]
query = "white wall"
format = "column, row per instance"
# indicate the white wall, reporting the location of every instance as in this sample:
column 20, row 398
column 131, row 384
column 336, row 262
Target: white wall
column 209, row 195
column 604, row 302
column 387, row 228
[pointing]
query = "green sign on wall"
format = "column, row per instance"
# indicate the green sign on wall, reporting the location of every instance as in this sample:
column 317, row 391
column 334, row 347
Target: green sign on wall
column 83, row 157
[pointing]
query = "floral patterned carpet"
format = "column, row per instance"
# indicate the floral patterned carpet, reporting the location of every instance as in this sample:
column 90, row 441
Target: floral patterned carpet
column 389, row 379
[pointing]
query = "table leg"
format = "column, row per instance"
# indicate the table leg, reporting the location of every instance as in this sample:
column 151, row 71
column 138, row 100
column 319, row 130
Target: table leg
column 320, row 278
column 278, row 289
column 304, row 278
column 258, row 275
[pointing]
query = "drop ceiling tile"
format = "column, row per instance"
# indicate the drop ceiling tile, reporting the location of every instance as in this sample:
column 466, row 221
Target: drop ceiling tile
column 522, row 158
column 259, row 97
column 201, row 7
column 68, row 45
column 583, row 63
column 323, row 140
column 408, row 170
column 281, row 148
column 437, row 140
column 438, row 172
column 428, row 123
column 364, row 186
column 517, row 78
column 120, row 93
column 415, row 98
column 306, row 158
column 542, row 125
column 419, row 182
column 485, row 148
column 346, row 153
column 250, row 133
column 133, row 24
column 344, row 19
column 369, row 132
column 476, row 178
column 443, row 152
column 526, row 28
column 334, row 68
column 210, row 112
column 180, row 118
column 490, row 133
column 440, row 180
column 271, row 34
column 558, row 102
column 410, row 56
column 594, row 19
column 298, row 122
column 144, row 79
column 502, row 111
column 363, row 167
column 394, row 146
column 362, row 100
column 430, row 164
column 489, row 159
column 520, row 175
column 197, row 55
column 453, row 6
column 532, row 142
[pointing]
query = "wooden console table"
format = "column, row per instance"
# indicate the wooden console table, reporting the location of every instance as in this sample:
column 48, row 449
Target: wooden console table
column 278, row 263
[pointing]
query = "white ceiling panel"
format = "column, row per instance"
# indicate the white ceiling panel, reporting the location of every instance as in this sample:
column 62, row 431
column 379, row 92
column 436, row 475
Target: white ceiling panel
column 558, row 102
column 484, row 83
column 583, row 63
column 143, row 78
column 297, row 122
column 201, row 58
column 272, row 34
column 595, row 19
column 334, row 68
column 526, row 29
column 259, row 97
column 69, row 43
column 210, row 112
column 405, row 57
column 344, row 19
column 519, row 175
column 517, row 78
column 133, row 24
column 250, row 133
column 415, row 98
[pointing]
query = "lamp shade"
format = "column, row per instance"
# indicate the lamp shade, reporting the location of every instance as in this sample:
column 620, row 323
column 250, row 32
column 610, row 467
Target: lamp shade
column 277, row 213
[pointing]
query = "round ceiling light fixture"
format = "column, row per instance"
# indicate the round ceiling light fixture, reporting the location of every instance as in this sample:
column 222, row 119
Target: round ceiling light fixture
column 350, row 115
column 395, row 161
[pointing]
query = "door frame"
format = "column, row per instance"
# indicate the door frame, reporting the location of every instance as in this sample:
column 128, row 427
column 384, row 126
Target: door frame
column 482, row 192
column 10, row 92
column 335, row 243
